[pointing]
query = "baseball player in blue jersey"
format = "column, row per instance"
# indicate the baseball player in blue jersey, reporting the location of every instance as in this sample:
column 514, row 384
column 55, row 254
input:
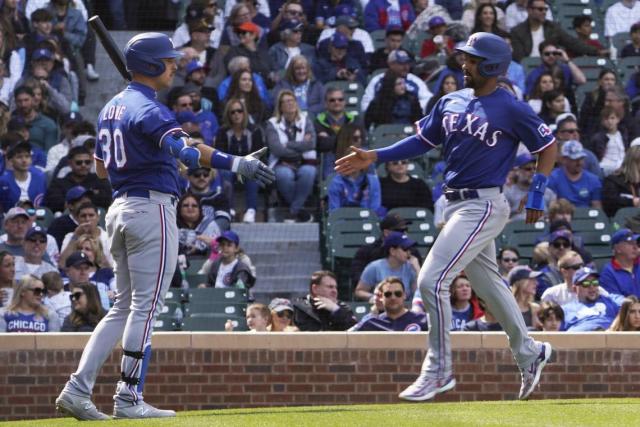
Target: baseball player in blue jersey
column 479, row 129
column 138, row 144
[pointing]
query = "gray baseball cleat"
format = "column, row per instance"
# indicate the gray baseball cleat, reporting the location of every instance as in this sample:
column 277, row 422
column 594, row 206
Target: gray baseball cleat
column 79, row 407
column 531, row 375
column 141, row 410
column 425, row 388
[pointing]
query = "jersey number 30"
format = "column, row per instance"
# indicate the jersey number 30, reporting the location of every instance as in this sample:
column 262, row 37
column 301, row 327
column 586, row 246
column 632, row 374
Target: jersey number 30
column 113, row 142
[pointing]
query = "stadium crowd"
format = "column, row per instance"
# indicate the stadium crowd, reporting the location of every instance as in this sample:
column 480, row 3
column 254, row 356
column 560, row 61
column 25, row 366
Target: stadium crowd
column 308, row 79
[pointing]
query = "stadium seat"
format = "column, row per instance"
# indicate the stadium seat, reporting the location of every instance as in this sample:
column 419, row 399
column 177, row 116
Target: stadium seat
column 163, row 323
column 195, row 264
column 351, row 214
column 213, row 322
column 384, row 135
column 589, row 213
column 619, row 219
column 583, row 90
column 44, row 216
column 378, row 38
column 196, row 279
column 175, row 295
column 627, row 66
column 415, row 45
column 217, row 295
column 201, row 307
column 414, row 168
column 620, row 40
column 414, row 214
column 589, row 224
column 360, row 309
column 529, row 63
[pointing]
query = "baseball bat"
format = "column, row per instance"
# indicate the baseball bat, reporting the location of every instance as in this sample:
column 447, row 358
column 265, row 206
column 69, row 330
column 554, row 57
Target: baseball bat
column 115, row 54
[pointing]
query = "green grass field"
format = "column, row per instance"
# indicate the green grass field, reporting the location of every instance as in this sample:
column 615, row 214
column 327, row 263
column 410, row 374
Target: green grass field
column 579, row 413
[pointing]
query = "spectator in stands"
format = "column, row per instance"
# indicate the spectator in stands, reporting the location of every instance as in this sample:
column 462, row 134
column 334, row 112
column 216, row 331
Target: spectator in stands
column 392, row 41
column 80, row 161
column 379, row 14
column 60, row 150
column 464, row 305
column 508, row 258
column 244, row 87
column 592, row 311
column 552, row 56
column 527, row 36
column 22, row 181
column 17, row 24
column 346, row 22
column 16, row 224
column 229, row 271
column 87, row 310
column 551, row 316
column 290, row 46
column 237, row 136
column 610, row 144
column 398, row 262
column 33, row 263
column 400, row 190
column 525, row 166
column 199, row 35
column 487, row 19
column 449, row 84
column 440, row 43
column 289, row 11
column 335, row 64
column 196, row 11
column 393, row 103
column 620, row 16
column 206, row 119
column 328, row 124
column 26, row 311
column 452, row 67
column 395, row 317
column 616, row 98
column 543, row 84
column 430, row 8
column 88, row 217
column 621, row 275
column 92, row 248
column 46, row 99
column 291, row 139
column 399, row 62
column 632, row 48
column 523, row 286
column 195, row 230
column 43, row 132
column 299, row 79
column 594, row 100
column 48, row 66
column 628, row 318
column 207, row 184
column 79, row 268
column 7, row 277
column 258, row 318
column 564, row 293
column 57, row 298
column 516, row 13
column 567, row 129
column 621, row 189
column 282, row 316
column 207, row 96
column 67, row 223
column 240, row 14
column 320, row 310
column 570, row 181
column 583, row 26
column 249, row 35
column 553, row 105
column 559, row 243
column 487, row 322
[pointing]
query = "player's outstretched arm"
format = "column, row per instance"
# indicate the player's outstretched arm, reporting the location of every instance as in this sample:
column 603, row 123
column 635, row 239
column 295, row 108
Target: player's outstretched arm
column 357, row 160
column 535, row 198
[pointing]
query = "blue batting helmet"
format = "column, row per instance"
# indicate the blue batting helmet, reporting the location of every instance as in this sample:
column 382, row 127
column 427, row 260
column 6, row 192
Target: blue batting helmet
column 495, row 51
column 144, row 53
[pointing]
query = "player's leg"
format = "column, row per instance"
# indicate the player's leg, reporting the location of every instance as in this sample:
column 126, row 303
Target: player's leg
column 470, row 226
column 152, row 246
column 530, row 356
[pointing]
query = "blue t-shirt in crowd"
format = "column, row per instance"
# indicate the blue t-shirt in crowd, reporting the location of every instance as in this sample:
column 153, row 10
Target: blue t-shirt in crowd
column 580, row 193
column 378, row 270
column 592, row 316
column 408, row 322
column 19, row 322
column 460, row 318
column 617, row 280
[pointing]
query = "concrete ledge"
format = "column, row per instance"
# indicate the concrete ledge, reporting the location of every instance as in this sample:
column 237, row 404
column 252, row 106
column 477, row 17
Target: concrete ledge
column 326, row 340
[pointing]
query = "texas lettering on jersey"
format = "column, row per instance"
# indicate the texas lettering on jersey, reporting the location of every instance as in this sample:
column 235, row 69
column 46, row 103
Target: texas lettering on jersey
column 474, row 126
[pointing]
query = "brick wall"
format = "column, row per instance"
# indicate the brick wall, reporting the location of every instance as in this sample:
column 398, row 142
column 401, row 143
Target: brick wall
column 214, row 370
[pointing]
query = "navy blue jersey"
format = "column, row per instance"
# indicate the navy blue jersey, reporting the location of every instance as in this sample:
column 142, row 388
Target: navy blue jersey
column 408, row 322
column 479, row 153
column 130, row 131
column 20, row 322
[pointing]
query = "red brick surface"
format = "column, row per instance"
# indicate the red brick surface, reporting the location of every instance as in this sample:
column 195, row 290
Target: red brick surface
column 192, row 379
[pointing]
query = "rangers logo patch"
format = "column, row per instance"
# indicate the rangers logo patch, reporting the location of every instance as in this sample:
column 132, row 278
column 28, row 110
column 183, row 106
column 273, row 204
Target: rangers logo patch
column 544, row 130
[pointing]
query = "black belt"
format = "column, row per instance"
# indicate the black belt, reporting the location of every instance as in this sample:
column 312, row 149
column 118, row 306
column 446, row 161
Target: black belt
column 453, row 195
column 145, row 194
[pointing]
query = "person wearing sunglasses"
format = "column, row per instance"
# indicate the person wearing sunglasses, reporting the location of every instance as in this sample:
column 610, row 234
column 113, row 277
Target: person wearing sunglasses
column 33, row 262
column 508, row 258
column 399, row 189
column 80, row 161
column 564, row 293
column 621, row 275
column 560, row 242
column 282, row 316
column 396, row 317
column 86, row 310
column 592, row 311
column 524, row 168
column 26, row 312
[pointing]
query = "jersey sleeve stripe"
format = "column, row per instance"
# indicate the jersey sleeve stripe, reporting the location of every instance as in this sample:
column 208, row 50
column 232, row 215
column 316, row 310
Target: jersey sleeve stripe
column 166, row 133
column 422, row 138
column 95, row 156
column 544, row 146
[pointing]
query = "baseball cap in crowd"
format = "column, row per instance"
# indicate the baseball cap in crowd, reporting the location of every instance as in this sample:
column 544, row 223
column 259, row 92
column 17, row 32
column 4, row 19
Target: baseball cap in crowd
column 76, row 259
column 345, row 9
column 42, row 54
column 623, row 235
column 635, row 27
column 560, row 224
column 346, row 20
column 394, row 29
column 71, row 117
column 394, row 222
column 436, row 21
column 194, row 171
column 292, row 24
column 229, row 236
column 399, row 56
column 18, row 147
column 280, row 304
column 564, row 116
column 193, row 65
column 397, row 238
column 561, row 234
column 186, row 117
column 520, row 273
column 36, row 231
column 75, row 193
column 194, row 13
column 573, row 150
column 81, row 140
column 635, row 142
column 524, row 159
column 14, row 213
column 200, row 26
column 339, row 40
column 582, row 274
column 248, row 26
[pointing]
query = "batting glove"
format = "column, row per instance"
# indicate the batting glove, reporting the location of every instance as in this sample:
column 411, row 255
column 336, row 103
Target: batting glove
column 250, row 167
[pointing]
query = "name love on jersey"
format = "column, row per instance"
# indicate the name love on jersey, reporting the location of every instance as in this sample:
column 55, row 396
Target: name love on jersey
column 471, row 125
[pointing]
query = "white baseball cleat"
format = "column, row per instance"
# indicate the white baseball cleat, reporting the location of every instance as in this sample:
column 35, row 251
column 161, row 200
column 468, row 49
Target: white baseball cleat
column 531, row 375
column 81, row 408
column 425, row 388
column 141, row 410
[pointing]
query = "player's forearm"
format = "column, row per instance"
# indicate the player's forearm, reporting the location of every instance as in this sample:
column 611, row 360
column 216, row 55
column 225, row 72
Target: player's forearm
column 212, row 158
column 547, row 159
column 404, row 149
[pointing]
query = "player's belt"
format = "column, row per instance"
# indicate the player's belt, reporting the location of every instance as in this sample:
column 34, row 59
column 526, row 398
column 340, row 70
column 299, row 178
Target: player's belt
column 454, row 195
column 145, row 194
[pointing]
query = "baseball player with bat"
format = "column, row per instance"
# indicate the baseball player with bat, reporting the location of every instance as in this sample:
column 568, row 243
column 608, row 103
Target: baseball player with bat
column 479, row 129
column 139, row 142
